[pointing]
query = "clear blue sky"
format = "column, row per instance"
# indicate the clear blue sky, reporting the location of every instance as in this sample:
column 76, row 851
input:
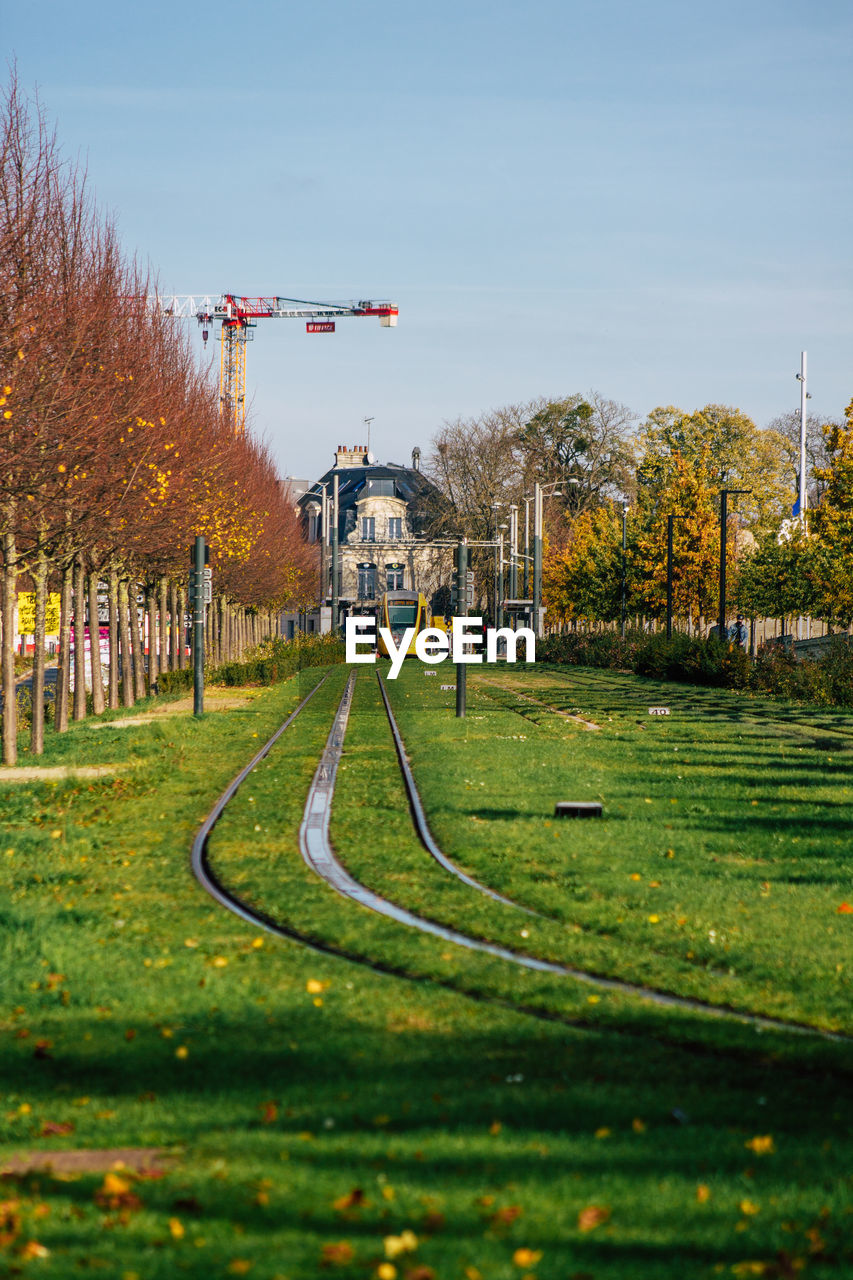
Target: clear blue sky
column 652, row 201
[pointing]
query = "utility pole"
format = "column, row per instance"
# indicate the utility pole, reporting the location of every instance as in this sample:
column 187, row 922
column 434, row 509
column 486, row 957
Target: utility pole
column 461, row 611
column 335, row 488
column 624, row 605
column 198, row 599
column 802, row 495
column 526, row 587
column 513, row 551
column 724, row 517
column 537, row 559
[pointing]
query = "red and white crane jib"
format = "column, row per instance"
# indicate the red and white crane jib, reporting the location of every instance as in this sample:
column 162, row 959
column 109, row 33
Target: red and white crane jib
column 234, row 309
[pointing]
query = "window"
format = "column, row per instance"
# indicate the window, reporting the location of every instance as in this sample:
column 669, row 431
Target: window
column 367, row 582
column 403, row 615
column 368, row 528
column 394, row 574
column 395, row 528
column 380, row 488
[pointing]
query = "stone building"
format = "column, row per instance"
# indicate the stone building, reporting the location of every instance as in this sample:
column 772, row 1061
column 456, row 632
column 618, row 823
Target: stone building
column 384, row 515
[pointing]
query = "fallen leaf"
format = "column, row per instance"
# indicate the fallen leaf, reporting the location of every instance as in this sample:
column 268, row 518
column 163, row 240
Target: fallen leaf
column 314, row 986
column 592, row 1216
column 748, row 1207
column 761, row 1145
column 845, row 909
column 32, row 1249
column 59, row 1128
column 352, row 1200
column 602, row 1133
column 270, row 1113
column 177, row 1229
column 405, row 1242
column 338, row 1254
column 526, row 1257
column 386, row 1271
column 638, row 1125
column 505, row 1216
column 239, row 1266
column 703, row 1193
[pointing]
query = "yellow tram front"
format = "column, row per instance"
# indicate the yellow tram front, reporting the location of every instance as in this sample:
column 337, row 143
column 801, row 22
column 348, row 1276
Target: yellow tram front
column 399, row 610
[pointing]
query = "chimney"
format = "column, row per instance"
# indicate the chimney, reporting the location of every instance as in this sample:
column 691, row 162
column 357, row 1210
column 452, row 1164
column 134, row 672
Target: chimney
column 416, row 458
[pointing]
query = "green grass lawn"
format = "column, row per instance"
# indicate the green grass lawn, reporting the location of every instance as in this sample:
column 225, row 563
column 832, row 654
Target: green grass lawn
column 326, row 1119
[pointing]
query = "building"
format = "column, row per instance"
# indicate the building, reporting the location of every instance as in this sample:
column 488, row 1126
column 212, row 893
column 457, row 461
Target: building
column 385, row 514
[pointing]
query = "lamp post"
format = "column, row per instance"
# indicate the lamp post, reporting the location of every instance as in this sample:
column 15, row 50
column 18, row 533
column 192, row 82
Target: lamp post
column 724, row 518
column 670, row 521
column 526, row 574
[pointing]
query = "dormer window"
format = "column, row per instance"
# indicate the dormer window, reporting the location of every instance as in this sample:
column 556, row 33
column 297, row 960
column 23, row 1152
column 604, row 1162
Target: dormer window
column 380, row 488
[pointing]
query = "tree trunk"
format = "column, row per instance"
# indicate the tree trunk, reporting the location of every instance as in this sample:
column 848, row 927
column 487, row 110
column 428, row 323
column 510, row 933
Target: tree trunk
column 63, row 659
column 164, row 625
column 181, row 630
column 150, row 613
column 95, row 646
column 135, row 640
column 37, row 722
column 79, row 639
column 174, row 629
column 10, row 705
column 127, row 651
column 112, row 692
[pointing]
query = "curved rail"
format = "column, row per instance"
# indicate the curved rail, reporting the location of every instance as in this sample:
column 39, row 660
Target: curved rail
column 318, row 854
column 419, row 817
column 198, row 854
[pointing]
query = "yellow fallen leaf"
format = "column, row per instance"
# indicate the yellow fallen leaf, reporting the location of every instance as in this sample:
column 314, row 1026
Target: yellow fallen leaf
column 182, row 1051
column 219, row 962
column 314, row 986
column 114, row 1185
column 239, row 1266
column 761, row 1145
column 176, row 1227
column 703, row 1193
column 748, row 1207
column 405, row 1242
column 386, row 1271
column 638, row 1125
column 602, row 1132
column 32, row 1249
column 526, row 1257
column 654, row 919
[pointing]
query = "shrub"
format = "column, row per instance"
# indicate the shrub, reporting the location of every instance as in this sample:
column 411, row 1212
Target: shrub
column 826, row 681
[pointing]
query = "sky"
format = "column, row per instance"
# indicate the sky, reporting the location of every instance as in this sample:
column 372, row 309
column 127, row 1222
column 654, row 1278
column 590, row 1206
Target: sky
column 648, row 201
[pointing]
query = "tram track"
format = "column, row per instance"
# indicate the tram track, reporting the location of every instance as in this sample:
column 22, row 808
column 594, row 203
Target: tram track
column 319, row 855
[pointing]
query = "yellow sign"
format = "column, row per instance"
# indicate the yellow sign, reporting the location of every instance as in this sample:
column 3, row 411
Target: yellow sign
column 27, row 613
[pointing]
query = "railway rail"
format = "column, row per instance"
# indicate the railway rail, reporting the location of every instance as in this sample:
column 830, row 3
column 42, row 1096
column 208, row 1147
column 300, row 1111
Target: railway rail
column 318, row 853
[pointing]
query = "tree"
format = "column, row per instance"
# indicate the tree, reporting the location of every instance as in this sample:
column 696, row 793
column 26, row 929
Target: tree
column 831, row 524
column 584, row 445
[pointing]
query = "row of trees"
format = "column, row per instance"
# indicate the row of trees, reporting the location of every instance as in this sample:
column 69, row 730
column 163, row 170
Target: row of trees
column 113, row 455
column 599, row 460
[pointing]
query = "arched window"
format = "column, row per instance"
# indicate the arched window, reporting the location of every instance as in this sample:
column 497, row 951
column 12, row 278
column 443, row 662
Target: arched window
column 394, row 577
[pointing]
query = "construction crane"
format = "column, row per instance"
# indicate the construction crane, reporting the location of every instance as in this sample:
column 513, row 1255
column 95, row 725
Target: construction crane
column 238, row 316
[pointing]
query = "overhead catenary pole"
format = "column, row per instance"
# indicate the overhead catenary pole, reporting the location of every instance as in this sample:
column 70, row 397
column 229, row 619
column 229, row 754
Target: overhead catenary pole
column 537, row 559
column 670, row 520
column 526, row 586
column 335, row 488
column 624, row 602
column 513, row 551
column 461, row 611
column 198, row 625
column 724, row 519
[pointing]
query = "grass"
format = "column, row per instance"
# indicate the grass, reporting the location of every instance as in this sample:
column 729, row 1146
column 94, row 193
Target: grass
column 317, row 1108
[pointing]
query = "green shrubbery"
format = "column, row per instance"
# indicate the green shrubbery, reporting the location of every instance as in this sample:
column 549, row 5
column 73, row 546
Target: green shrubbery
column 827, row 680
column 274, row 660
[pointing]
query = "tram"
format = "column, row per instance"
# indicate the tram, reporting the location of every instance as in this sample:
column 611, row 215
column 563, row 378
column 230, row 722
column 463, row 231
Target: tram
column 399, row 610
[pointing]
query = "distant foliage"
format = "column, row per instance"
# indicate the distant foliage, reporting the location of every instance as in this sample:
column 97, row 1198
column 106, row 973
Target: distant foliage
column 827, row 681
column 271, row 662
